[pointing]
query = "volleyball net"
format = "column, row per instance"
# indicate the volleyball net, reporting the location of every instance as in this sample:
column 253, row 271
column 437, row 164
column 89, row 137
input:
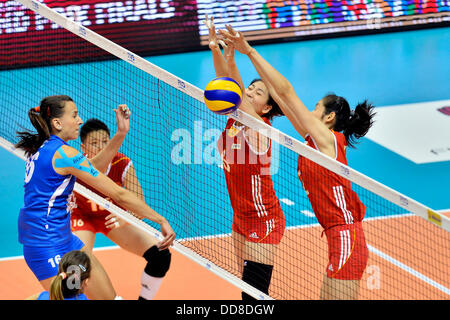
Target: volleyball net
column 173, row 146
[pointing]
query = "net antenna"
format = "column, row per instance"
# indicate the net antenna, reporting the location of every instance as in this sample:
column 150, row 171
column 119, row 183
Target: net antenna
column 407, row 204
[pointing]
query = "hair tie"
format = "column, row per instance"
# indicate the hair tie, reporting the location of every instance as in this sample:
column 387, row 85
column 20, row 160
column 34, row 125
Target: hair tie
column 63, row 275
column 37, row 109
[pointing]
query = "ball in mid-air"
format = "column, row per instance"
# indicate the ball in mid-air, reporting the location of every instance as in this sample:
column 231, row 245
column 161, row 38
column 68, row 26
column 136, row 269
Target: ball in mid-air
column 223, row 95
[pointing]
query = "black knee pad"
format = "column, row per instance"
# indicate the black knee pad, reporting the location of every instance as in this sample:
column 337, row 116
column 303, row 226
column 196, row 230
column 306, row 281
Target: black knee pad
column 158, row 262
column 257, row 275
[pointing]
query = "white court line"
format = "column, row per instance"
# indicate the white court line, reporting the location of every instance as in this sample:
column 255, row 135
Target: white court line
column 410, row 270
column 371, row 248
column 11, row 258
column 302, row 226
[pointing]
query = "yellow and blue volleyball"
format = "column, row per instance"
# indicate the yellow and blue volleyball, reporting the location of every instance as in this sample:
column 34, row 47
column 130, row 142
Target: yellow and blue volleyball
column 223, row 95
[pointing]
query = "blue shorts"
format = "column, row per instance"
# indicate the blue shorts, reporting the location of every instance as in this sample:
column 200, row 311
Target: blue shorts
column 43, row 261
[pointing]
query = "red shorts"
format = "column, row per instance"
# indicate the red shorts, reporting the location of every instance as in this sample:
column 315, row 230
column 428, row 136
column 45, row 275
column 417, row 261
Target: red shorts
column 268, row 230
column 94, row 222
column 347, row 252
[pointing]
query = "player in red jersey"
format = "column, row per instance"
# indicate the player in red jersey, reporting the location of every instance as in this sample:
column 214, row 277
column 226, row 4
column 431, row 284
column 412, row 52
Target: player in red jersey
column 258, row 221
column 88, row 218
column 336, row 206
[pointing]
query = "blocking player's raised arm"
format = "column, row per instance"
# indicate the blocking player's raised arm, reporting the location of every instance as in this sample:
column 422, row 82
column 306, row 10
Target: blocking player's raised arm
column 104, row 157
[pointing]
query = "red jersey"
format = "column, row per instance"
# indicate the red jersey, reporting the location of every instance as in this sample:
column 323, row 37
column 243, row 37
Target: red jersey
column 331, row 196
column 116, row 171
column 249, row 183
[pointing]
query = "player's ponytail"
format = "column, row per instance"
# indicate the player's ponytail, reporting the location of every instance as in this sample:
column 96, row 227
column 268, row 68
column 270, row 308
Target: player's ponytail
column 30, row 142
column 40, row 117
column 56, row 287
column 359, row 122
column 354, row 124
column 74, row 268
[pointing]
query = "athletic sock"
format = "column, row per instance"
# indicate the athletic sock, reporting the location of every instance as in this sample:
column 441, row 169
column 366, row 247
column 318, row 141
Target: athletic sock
column 149, row 286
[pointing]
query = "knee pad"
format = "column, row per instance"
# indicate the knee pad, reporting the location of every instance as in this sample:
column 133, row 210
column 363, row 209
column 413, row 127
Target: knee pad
column 257, row 275
column 158, row 262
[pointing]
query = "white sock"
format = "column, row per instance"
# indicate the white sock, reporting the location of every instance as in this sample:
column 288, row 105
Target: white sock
column 150, row 286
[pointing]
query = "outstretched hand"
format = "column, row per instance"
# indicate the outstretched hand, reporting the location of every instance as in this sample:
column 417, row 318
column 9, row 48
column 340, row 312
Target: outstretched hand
column 123, row 118
column 212, row 36
column 236, row 39
column 228, row 49
column 214, row 41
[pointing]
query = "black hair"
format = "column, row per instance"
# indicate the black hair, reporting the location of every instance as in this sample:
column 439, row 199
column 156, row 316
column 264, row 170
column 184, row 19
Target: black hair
column 92, row 125
column 40, row 117
column 73, row 269
column 275, row 111
column 354, row 124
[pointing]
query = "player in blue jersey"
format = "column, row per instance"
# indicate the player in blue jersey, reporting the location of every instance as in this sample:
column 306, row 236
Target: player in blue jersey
column 74, row 272
column 51, row 170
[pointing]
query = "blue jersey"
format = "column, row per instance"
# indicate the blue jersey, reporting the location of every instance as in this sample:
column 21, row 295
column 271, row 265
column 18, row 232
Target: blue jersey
column 45, row 295
column 44, row 220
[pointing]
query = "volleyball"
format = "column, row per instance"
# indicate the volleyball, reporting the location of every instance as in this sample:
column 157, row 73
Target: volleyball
column 223, row 95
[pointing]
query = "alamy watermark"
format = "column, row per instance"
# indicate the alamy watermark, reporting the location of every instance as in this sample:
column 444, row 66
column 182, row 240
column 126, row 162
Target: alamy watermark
column 198, row 146
column 374, row 280
column 74, row 277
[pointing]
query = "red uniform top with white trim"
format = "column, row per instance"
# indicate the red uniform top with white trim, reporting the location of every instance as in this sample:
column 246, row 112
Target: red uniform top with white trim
column 116, row 171
column 331, row 195
column 248, row 178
